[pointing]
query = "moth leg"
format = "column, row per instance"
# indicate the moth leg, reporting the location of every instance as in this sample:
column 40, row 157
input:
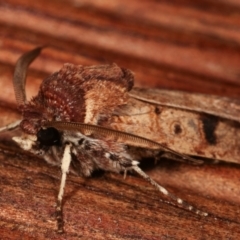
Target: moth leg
column 125, row 174
column 10, row 126
column 164, row 191
column 66, row 160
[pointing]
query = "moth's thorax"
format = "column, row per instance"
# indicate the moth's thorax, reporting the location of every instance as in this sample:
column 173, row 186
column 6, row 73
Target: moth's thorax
column 77, row 94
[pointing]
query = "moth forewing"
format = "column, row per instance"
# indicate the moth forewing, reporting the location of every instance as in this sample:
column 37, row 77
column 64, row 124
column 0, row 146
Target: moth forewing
column 227, row 108
column 207, row 130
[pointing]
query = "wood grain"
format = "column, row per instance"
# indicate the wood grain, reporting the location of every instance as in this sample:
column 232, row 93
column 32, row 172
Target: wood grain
column 193, row 46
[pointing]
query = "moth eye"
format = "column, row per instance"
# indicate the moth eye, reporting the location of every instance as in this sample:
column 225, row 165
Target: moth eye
column 48, row 137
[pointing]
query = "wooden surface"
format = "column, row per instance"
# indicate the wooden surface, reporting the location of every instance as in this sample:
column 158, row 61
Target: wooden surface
column 193, row 46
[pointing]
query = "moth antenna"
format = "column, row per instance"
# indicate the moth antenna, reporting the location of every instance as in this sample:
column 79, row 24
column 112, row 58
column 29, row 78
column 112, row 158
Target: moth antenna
column 127, row 138
column 10, row 126
column 165, row 192
column 20, row 72
column 66, row 160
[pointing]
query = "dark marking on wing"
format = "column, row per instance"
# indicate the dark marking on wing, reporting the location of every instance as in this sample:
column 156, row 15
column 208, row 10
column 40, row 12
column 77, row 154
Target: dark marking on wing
column 177, row 129
column 157, row 110
column 209, row 126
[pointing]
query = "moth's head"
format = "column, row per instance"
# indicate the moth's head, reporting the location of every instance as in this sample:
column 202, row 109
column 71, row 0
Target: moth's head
column 50, row 104
column 33, row 120
column 35, row 135
column 45, row 137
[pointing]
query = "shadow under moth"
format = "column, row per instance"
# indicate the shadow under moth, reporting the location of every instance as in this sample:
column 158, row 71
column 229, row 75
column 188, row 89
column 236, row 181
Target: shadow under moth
column 89, row 118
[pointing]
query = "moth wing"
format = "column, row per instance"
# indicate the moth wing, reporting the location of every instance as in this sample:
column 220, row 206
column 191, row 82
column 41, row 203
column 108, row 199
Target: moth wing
column 201, row 125
column 228, row 108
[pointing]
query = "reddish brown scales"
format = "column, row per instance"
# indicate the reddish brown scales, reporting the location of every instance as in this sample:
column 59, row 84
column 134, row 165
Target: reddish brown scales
column 78, row 94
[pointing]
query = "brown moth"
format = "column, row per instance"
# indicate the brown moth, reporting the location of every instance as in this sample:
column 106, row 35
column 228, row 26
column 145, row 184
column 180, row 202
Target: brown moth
column 88, row 118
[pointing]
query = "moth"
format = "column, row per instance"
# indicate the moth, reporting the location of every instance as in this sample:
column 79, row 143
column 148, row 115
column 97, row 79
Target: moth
column 89, row 118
